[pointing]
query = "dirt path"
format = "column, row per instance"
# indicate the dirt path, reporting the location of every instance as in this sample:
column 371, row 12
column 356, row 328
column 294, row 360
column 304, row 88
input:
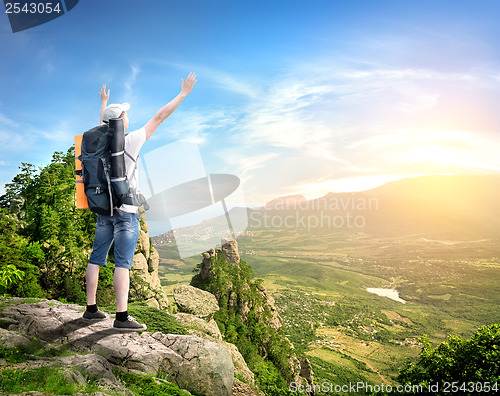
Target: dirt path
column 384, row 380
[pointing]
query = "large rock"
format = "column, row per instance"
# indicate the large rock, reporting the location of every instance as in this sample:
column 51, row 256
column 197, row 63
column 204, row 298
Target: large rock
column 210, row 331
column 195, row 301
column 153, row 261
column 240, row 366
column 275, row 319
column 230, row 251
column 76, row 369
column 306, row 371
column 205, row 366
column 12, row 339
column 143, row 244
column 140, row 264
column 195, row 323
column 209, row 368
column 206, row 265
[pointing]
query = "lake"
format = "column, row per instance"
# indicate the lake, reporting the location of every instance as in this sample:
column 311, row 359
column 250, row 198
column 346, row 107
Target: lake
column 391, row 293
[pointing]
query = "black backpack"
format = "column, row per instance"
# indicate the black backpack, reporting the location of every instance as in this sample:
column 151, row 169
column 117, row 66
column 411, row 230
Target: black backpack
column 103, row 169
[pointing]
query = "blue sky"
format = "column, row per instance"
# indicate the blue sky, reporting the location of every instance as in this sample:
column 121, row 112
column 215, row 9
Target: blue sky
column 292, row 96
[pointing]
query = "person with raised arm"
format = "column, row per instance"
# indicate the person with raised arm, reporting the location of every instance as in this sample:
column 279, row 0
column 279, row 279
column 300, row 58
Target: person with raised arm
column 123, row 227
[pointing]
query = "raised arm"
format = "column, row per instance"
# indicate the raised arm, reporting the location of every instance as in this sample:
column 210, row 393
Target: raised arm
column 169, row 108
column 104, row 101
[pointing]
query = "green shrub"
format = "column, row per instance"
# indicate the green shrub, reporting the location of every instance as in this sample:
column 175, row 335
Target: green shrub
column 147, row 385
column 476, row 360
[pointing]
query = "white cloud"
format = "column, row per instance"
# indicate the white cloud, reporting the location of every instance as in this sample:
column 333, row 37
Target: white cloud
column 7, row 122
column 228, row 82
column 130, row 80
column 360, row 126
column 62, row 131
column 244, row 166
column 192, row 126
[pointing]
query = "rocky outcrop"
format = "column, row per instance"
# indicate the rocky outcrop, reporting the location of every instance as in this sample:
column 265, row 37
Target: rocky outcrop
column 195, row 301
column 12, row 339
column 265, row 310
column 275, row 320
column 206, row 265
column 195, row 363
column 306, row 372
column 231, row 254
column 197, row 309
column 230, row 251
column 144, row 280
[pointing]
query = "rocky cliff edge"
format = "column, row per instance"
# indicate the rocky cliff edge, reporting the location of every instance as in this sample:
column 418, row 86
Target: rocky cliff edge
column 190, row 362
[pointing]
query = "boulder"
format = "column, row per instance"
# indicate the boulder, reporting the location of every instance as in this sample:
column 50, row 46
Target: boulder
column 153, row 302
column 207, row 367
column 94, row 366
column 195, row 301
column 197, row 323
column 12, row 339
column 275, row 320
column 206, row 265
column 306, row 371
column 240, row 366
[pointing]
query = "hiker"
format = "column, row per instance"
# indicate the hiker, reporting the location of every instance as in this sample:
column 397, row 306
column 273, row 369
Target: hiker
column 123, row 226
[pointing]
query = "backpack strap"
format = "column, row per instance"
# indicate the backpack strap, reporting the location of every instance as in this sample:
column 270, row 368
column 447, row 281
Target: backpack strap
column 136, row 197
column 106, row 173
column 132, row 158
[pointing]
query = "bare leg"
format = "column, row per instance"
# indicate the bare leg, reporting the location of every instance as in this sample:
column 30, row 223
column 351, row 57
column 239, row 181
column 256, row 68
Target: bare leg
column 121, row 282
column 91, row 278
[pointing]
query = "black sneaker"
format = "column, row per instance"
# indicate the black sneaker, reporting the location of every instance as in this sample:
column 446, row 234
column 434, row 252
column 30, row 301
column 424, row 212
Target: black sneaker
column 129, row 325
column 94, row 315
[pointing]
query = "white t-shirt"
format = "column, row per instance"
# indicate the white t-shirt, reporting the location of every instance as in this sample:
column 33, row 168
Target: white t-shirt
column 133, row 143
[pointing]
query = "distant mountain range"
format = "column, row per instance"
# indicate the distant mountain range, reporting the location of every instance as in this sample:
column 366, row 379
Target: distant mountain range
column 457, row 207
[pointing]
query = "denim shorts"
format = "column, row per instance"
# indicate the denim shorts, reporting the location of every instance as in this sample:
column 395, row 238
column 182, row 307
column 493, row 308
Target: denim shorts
column 123, row 229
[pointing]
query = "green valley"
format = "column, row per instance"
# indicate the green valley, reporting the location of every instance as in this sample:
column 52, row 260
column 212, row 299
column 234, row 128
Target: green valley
column 448, row 279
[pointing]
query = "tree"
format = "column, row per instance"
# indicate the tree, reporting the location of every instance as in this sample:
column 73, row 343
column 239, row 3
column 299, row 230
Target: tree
column 47, row 232
column 18, row 259
column 472, row 361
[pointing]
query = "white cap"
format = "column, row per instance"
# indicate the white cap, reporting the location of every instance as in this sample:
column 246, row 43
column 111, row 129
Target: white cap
column 114, row 111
